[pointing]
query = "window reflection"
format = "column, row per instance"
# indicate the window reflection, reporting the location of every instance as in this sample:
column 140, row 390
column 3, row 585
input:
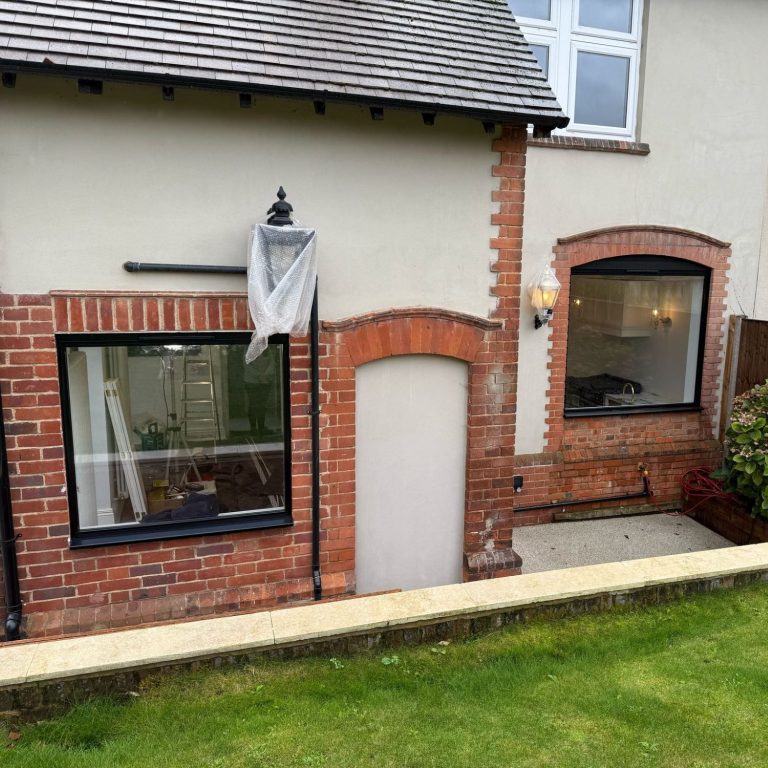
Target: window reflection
column 541, row 52
column 175, row 432
column 613, row 15
column 633, row 341
column 602, row 84
column 532, row 9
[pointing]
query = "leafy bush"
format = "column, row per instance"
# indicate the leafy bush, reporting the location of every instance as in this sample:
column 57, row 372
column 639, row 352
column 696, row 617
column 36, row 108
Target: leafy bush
column 746, row 444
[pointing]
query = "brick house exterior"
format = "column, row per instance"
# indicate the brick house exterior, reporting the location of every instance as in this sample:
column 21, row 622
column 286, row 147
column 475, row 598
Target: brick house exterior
column 451, row 284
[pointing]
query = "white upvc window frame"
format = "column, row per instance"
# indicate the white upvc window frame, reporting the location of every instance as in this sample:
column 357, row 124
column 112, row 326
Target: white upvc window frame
column 565, row 38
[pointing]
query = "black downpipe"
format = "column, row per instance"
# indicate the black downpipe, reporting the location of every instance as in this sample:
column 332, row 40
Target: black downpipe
column 281, row 217
column 8, row 546
column 644, row 494
column 315, row 376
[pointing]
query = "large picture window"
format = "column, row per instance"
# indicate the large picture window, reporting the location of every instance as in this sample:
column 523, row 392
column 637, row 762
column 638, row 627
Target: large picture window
column 170, row 435
column 635, row 335
column 589, row 51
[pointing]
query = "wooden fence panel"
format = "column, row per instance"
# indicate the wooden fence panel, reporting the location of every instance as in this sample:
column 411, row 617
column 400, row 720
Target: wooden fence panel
column 746, row 361
column 753, row 355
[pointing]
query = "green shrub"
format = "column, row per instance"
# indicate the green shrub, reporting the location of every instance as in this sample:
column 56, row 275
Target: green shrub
column 746, row 448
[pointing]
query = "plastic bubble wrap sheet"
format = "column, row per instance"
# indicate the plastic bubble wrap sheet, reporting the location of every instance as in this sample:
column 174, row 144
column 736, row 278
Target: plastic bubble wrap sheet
column 282, row 270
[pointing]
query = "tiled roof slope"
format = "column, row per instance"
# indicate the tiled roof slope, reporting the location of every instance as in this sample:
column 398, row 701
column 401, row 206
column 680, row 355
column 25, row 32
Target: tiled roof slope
column 464, row 56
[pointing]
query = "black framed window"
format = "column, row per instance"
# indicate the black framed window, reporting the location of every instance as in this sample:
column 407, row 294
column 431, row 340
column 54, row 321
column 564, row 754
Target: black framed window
column 171, row 435
column 636, row 329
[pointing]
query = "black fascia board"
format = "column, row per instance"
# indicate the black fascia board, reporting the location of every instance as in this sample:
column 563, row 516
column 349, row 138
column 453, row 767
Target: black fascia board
column 154, row 78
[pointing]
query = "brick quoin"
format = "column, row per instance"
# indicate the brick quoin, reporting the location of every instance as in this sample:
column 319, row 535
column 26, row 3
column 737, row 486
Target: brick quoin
column 126, row 584
column 66, row 591
column 594, row 456
column 490, row 348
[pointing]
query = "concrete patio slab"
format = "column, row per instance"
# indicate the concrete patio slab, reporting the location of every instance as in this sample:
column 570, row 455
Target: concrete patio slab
column 568, row 544
column 15, row 660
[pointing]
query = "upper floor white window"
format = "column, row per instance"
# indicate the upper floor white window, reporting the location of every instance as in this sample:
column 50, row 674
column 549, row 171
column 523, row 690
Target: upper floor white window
column 590, row 53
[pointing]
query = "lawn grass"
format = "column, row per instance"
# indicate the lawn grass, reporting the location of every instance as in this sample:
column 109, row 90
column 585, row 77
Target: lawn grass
column 679, row 685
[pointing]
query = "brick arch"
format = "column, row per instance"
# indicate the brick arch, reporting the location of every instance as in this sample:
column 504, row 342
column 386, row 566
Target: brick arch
column 352, row 342
column 644, row 233
column 589, row 456
column 412, row 330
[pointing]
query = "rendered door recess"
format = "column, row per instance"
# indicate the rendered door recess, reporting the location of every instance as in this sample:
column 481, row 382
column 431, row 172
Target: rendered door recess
column 411, row 462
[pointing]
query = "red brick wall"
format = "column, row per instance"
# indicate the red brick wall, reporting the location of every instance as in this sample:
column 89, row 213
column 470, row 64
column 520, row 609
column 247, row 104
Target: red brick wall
column 68, row 590
column 730, row 517
column 594, row 456
column 491, row 350
column 65, row 590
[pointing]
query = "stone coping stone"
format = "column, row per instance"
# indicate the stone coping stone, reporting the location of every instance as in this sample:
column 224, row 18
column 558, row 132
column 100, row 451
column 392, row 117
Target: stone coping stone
column 112, row 653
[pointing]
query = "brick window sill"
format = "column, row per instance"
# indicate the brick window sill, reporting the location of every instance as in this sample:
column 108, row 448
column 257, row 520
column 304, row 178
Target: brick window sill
column 591, row 145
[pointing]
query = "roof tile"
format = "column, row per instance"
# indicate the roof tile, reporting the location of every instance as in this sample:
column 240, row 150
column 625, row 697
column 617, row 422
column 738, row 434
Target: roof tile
column 456, row 55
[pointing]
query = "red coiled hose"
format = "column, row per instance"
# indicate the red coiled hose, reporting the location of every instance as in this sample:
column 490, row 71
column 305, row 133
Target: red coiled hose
column 697, row 484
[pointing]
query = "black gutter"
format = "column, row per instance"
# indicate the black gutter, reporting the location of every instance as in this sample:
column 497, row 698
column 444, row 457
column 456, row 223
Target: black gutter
column 545, row 122
column 8, row 546
column 645, row 494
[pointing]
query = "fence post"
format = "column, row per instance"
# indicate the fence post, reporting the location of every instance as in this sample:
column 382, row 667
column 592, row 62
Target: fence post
column 730, row 375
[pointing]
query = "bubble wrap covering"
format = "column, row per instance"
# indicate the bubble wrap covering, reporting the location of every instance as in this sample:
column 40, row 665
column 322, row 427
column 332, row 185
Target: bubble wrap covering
column 282, row 270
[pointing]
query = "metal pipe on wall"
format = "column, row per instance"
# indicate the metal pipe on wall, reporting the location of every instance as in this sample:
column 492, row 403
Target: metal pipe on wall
column 314, row 328
column 644, row 494
column 280, row 217
column 142, row 266
column 8, row 538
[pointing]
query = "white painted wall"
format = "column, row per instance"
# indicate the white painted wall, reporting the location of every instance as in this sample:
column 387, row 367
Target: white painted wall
column 402, row 210
column 411, row 463
column 704, row 111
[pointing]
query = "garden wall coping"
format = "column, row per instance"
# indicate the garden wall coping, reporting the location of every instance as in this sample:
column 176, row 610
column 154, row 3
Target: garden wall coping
column 27, row 663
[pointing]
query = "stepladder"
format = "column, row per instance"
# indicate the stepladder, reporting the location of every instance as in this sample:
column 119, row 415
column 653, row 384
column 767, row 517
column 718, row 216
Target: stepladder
column 199, row 402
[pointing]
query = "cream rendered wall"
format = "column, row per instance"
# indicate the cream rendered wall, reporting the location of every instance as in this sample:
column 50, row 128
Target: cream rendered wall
column 704, row 112
column 402, row 210
column 411, row 446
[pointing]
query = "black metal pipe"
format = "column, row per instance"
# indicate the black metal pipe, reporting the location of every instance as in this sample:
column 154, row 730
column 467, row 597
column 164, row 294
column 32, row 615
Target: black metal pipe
column 281, row 217
column 315, row 403
column 141, row 266
column 8, row 546
column 646, row 493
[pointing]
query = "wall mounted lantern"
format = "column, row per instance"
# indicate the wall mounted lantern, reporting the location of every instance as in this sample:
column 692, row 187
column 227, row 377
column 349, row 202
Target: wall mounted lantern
column 657, row 318
column 544, row 292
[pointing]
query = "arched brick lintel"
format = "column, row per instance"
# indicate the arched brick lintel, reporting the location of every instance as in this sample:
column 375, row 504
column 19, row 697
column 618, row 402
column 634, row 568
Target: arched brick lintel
column 412, row 330
column 632, row 240
column 644, row 234
column 636, row 240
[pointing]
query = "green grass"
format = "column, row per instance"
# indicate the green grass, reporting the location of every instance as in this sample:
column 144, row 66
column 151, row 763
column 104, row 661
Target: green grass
column 678, row 685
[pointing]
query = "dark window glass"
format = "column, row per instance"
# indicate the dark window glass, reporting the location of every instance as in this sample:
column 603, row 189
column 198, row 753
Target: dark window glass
column 602, row 88
column 174, row 433
column 633, row 340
